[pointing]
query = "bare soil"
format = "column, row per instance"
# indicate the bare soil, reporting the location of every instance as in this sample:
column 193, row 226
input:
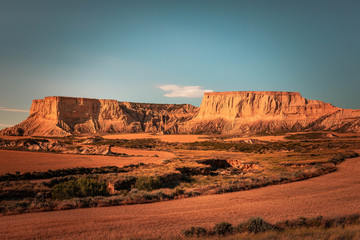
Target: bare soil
column 337, row 193
column 261, row 138
column 165, row 138
column 25, row 161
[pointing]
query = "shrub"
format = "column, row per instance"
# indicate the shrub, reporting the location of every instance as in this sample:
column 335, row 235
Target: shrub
column 148, row 183
column 223, row 228
column 82, row 187
column 256, row 225
column 195, row 231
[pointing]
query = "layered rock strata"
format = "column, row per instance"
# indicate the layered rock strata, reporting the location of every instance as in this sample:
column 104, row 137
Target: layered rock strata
column 269, row 112
column 62, row 116
column 250, row 112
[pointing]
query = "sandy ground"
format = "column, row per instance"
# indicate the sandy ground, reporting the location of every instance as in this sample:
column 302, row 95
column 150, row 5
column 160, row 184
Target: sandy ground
column 261, row 138
column 165, row 138
column 15, row 137
column 330, row 195
column 23, row 161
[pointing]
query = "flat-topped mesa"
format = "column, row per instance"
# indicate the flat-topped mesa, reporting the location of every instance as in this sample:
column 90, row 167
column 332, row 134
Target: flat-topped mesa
column 62, row 116
column 250, row 112
column 267, row 112
column 243, row 105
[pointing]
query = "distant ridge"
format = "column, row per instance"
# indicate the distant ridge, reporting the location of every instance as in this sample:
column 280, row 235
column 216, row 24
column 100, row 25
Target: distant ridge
column 250, row 112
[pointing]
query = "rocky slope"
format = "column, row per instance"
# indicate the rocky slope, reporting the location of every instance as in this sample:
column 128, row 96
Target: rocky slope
column 269, row 112
column 62, row 116
column 220, row 112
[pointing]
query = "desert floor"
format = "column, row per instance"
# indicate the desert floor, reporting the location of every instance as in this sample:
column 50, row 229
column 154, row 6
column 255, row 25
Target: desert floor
column 165, row 138
column 25, row 161
column 337, row 193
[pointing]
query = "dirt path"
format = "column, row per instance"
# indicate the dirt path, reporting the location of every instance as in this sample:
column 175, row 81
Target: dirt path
column 24, row 161
column 334, row 194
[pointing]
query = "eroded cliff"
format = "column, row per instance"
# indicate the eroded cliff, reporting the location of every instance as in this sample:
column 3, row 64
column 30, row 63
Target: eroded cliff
column 269, row 112
column 62, row 116
column 247, row 112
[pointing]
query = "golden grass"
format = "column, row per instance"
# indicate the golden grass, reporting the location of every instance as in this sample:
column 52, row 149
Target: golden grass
column 350, row 232
column 165, row 138
column 334, row 194
column 24, row 161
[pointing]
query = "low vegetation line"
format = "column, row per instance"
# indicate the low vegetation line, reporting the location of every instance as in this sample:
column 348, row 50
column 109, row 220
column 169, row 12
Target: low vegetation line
column 257, row 225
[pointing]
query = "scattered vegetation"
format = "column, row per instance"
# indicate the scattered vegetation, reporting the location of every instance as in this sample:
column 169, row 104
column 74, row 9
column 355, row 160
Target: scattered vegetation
column 141, row 183
column 65, row 172
column 195, row 172
column 258, row 225
column 148, row 183
column 309, row 136
column 81, row 187
column 303, row 145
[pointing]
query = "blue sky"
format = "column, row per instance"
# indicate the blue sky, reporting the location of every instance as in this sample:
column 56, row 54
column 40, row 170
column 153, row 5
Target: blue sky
column 133, row 50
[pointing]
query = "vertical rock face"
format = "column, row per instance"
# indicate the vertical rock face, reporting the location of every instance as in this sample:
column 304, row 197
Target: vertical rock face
column 62, row 116
column 268, row 112
column 220, row 112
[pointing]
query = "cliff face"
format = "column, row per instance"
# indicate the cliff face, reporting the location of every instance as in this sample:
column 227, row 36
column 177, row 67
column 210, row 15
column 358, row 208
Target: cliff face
column 220, row 112
column 268, row 112
column 62, row 116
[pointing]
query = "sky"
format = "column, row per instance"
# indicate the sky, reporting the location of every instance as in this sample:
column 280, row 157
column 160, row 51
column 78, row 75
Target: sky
column 174, row 51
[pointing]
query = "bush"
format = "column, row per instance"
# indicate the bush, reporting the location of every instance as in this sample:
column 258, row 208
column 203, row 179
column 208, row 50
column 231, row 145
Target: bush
column 148, row 183
column 256, row 225
column 195, row 231
column 223, row 228
column 82, row 187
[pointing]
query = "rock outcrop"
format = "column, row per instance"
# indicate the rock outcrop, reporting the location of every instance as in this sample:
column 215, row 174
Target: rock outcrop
column 269, row 112
column 63, row 116
column 220, row 112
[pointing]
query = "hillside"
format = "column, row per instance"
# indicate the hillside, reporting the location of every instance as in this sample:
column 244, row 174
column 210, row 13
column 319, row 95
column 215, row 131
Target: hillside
column 269, row 112
column 250, row 112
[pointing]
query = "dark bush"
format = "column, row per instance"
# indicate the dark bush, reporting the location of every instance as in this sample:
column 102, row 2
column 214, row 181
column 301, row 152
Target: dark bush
column 195, row 231
column 148, row 183
column 61, row 173
column 256, row 225
column 223, row 228
column 82, row 187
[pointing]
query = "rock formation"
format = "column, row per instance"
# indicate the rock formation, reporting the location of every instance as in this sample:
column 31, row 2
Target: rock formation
column 269, row 112
column 63, row 116
column 220, row 112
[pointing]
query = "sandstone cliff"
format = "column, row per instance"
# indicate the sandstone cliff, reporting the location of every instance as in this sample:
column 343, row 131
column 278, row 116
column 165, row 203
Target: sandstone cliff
column 269, row 112
column 220, row 112
column 62, row 116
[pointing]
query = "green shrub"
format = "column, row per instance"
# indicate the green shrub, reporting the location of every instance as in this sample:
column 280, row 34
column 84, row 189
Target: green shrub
column 148, row 183
column 82, row 187
column 223, row 228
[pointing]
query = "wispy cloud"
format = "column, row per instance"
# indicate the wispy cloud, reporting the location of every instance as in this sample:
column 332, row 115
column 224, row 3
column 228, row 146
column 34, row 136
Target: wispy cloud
column 5, row 125
column 13, row 110
column 184, row 91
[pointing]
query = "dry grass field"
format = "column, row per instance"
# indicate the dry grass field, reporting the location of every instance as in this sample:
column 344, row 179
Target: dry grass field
column 184, row 180
column 165, row 138
column 24, row 161
column 337, row 193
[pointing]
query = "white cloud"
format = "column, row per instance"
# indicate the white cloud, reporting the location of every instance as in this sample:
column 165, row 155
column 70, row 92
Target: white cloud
column 184, row 91
column 13, row 110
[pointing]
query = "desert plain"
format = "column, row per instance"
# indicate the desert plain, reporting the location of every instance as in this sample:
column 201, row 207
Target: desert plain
column 90, row 169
